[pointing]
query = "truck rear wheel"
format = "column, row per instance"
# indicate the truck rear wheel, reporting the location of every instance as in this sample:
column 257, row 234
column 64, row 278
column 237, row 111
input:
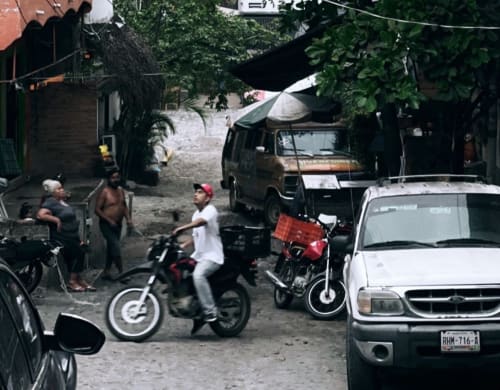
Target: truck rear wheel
column 234, row 205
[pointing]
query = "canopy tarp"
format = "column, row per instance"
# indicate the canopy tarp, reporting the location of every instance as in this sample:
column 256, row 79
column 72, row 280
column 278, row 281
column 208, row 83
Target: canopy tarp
column 277, row 68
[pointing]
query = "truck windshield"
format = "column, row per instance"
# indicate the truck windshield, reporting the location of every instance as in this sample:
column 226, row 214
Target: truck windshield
column 312, row 142
column 432, row 220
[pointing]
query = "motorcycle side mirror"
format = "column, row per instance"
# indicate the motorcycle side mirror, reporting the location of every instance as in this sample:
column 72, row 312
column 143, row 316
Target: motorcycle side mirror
column 327, row 219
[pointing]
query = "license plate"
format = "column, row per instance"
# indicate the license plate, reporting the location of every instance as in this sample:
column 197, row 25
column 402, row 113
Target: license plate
column 460, row 341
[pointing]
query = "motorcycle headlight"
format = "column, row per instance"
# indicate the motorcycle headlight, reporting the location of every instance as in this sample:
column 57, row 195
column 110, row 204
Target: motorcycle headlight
column 380, row 302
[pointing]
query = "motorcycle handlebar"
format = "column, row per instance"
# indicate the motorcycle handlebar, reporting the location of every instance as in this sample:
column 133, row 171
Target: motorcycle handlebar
column 329, row 230
column 165, row 238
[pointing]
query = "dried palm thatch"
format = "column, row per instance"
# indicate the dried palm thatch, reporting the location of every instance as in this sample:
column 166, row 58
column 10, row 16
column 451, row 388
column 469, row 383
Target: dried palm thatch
column 135, row 74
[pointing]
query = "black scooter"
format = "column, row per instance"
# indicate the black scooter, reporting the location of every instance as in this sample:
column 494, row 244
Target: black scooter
column 27, row 257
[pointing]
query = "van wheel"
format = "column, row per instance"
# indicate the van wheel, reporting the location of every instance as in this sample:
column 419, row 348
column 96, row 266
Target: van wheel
column 272, row 210
column 234, row 205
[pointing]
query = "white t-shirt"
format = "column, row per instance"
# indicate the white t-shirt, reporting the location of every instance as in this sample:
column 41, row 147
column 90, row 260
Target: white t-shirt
column 207, row 242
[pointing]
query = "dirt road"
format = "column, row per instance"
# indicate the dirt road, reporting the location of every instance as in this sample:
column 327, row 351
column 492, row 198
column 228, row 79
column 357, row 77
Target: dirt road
column 283, row 349
column 279, row 349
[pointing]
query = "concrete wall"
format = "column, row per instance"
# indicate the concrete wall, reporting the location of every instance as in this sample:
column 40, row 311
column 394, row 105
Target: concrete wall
column 63, row 134
column 16, row 230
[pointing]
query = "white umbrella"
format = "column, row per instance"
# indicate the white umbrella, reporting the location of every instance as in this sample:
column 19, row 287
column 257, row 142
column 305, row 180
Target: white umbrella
column 288, row 107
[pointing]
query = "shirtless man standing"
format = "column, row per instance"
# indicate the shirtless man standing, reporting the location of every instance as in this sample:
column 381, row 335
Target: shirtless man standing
column 111, row 208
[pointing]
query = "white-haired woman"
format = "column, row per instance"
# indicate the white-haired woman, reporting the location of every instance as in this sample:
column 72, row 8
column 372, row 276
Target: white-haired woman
column 64, row 227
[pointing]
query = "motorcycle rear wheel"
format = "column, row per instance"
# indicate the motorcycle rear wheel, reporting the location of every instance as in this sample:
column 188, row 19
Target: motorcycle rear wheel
column 234, row 311
column 323, row 306
column 129, row 322
column 30, row 275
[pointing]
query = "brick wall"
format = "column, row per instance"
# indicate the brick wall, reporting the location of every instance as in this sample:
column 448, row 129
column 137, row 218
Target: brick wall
column 63, row 132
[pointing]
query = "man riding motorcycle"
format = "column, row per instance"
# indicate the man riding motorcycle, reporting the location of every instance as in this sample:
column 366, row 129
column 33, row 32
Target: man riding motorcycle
column 208, row 251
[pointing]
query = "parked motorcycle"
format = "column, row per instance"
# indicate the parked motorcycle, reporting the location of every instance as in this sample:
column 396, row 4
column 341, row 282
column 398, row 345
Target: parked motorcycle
column 312, row 272
column 27, row 257
column 135, row 312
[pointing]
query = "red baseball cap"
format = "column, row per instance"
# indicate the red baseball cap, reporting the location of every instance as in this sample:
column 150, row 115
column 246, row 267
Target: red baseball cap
column 206, row 188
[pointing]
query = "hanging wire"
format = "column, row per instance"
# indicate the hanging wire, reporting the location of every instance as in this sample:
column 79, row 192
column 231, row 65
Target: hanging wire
column 26, row 75
column 81, row 77
column 448, row 26
column 57, row 9
column 21, row 12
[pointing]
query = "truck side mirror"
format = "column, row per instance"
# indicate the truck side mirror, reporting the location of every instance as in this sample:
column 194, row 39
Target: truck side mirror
column 340, row 243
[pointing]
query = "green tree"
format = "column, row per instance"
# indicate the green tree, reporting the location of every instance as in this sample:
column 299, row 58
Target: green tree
column 382, row 64
column 195, row 43
column 132, row 71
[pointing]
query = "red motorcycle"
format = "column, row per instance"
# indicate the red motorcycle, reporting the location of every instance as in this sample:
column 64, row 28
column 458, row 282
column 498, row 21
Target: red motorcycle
column 307, row 268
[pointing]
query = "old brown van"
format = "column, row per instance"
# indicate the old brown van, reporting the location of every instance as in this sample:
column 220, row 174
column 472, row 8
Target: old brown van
column 261, row 166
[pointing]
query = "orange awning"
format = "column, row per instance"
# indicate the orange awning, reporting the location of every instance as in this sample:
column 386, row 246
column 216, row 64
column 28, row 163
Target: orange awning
column 50, row 80
column 15, row 15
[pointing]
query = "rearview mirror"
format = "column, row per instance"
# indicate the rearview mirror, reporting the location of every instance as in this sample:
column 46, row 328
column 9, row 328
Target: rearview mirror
column 76, row 334
column 4, row 182
column 260, row 149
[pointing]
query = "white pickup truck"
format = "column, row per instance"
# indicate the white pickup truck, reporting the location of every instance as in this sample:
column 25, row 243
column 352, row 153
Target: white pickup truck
column 423, row 277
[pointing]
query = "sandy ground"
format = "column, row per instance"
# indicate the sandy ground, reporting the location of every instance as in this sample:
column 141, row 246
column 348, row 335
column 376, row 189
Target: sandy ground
column 197, row 159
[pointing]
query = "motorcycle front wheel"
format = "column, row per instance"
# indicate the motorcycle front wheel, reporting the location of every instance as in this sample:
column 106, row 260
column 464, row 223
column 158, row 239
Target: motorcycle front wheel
column 282, row 299
column 325, row 305
column 128, row 320
column 30, row 275
column 234, row 312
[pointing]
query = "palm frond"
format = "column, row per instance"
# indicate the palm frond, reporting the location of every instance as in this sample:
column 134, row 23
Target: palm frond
column 190, row 104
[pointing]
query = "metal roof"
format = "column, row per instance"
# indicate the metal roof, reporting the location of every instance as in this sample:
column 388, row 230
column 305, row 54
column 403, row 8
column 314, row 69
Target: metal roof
column 277, row 68
column 15, row 15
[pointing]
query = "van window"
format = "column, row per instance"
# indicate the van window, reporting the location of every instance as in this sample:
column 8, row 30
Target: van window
column 269, row 143
column 238, row 142
column 253, row 139
column 228, row 145
column 314, row 142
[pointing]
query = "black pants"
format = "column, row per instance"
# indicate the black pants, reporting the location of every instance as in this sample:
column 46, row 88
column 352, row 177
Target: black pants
column 112, row 236
column 73, row 254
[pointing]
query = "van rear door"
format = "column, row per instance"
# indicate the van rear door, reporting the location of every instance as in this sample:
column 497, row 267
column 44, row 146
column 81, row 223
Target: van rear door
column 247, row 166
